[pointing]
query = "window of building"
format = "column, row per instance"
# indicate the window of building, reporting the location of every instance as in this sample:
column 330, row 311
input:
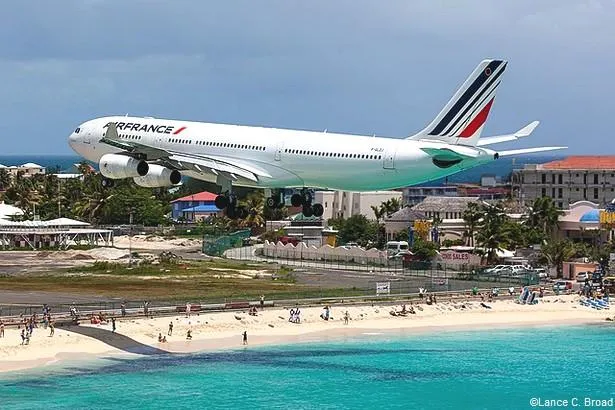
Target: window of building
column 543, row 192
column 559, row 179
column 553, row 179
column 595, row 178
column 595, row 193
column 559, row 192
column 560, row 205
column 543, row 178
column 552, row 192
column 584, row 193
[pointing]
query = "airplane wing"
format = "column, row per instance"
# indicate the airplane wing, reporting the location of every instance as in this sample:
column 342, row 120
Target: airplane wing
column 527, row 151
column 204, row 164
column 522, row 133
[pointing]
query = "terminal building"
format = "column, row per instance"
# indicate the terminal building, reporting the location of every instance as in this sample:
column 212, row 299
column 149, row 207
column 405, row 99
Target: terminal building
column 566, row 181
column 344, row 204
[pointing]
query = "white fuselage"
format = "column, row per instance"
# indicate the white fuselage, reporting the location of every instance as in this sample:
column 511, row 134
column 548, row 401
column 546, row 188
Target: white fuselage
column 290, row 158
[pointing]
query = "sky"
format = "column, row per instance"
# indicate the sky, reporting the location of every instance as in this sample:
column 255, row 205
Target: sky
column 351, row 66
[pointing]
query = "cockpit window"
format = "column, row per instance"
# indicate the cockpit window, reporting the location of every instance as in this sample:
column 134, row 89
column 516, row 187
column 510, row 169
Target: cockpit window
column 77, row 130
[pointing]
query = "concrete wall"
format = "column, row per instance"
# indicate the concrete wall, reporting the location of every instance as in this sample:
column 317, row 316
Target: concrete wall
column 325, row 253
column 346, row 204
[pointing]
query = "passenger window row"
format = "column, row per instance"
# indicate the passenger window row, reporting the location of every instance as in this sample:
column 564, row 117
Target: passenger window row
column 332, row 154
column 130, row 137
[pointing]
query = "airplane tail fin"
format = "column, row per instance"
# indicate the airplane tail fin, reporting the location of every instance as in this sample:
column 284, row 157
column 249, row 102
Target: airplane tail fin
column 462, row 119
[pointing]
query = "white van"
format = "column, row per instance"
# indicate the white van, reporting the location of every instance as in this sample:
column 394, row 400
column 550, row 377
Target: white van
column 395, row 247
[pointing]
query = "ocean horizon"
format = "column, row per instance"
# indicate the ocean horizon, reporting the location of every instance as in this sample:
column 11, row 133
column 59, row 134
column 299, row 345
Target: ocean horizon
column 500, row 168
column 511, row 368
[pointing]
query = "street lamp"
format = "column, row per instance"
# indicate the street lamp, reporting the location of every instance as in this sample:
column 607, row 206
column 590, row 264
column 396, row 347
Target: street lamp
column 130, row 237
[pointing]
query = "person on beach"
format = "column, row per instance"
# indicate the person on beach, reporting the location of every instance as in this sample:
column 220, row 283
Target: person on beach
column 113, row 324
column 1, row 328
column 123, row 309
column 188, row 307
column 245, row 337
column 189, row 335
column 159, row 337
column 346, row 317
column 52, row 328
column 170, row 332
column 23, row 336
column 262, row 302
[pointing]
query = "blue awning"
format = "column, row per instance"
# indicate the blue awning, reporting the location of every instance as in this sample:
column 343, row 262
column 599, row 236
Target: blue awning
column 202, row 208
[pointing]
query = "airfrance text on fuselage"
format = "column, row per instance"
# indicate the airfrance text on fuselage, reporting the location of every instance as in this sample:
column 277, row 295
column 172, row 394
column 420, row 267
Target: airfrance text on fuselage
column 129, row 126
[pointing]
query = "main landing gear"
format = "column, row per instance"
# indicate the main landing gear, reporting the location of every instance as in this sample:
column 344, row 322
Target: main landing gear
column 228, row 202
column 304, row 200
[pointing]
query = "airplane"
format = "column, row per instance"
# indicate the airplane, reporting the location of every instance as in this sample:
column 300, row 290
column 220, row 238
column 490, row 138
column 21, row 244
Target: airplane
column 157, row 152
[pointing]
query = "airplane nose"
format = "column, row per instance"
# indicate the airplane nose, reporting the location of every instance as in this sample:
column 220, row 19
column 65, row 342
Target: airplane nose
column 74, row 139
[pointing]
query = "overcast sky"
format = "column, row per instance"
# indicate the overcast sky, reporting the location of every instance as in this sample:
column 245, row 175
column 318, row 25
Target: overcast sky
column 355, row 66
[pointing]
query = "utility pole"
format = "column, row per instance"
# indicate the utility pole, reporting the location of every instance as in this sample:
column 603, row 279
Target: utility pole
column 59, row 200
column 130, row 238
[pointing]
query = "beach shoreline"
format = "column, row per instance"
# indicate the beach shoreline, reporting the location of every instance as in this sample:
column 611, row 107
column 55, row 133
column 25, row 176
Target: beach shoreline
column 138, row 337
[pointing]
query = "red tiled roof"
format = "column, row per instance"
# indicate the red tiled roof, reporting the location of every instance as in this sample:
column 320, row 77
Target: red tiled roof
column 583, row 162
column 201, row 196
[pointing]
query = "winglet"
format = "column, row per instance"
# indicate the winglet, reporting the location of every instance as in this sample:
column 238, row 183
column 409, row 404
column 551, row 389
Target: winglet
column 527, row 130
column 522, row 133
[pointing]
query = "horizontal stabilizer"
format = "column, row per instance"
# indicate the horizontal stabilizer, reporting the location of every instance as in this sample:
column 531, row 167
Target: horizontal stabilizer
column 527, row 151
column 522, row 133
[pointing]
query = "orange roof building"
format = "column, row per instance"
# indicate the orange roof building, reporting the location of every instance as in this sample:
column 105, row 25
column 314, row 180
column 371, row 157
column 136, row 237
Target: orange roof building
column 569, row 180
column 583, row 162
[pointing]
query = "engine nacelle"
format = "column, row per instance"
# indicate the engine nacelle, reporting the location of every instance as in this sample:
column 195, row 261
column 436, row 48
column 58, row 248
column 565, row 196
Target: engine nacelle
column 114, row 166
column 159, row 176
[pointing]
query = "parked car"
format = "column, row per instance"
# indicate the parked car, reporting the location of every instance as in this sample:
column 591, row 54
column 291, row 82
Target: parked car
column 496, row 268
column 582, row 276
column 542, row 273
column 561, row 285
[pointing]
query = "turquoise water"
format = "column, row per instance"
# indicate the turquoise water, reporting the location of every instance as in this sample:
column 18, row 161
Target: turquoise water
column 500, row 369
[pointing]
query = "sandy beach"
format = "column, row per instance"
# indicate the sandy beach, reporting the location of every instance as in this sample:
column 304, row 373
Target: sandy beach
column 221, row 330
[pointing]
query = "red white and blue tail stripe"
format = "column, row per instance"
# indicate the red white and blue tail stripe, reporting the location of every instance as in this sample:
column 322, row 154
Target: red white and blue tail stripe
column 462, row 120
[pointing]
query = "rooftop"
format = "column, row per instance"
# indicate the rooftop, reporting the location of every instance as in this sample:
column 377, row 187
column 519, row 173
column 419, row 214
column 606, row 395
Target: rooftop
column 201, row 196
column 406, row 214
column 445, row 203
column 602, row 162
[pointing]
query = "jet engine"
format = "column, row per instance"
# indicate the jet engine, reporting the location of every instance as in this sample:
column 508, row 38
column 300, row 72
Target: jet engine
column 114, row 166
column 158, row 176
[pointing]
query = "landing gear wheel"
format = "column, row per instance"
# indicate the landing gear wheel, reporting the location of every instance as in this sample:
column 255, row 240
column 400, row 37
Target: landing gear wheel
column 107, row 183
column 271, row 202
column 296, row 200
column 318, row 210
column 308, row 211
column 221, row 201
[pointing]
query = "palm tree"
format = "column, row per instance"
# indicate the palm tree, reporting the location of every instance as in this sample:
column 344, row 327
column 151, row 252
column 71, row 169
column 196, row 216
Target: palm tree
column 5, row 179
column 255, row 205
column 93, row 199
column 493, row 233
column 556, row 252
column 544, row 215
column 472, row 216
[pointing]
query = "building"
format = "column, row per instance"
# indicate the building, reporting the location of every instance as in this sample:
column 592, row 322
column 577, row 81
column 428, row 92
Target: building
column 445, row 207
column 8, row 211
column 344, row 204
column 581, row 222
column 28, row 169
column 566, row 181
column 400, row 220
column 413, row 195
column 194, row 207
column 56, row 233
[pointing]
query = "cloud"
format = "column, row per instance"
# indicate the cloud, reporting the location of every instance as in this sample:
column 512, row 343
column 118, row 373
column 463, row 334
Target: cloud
column 352, row 66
